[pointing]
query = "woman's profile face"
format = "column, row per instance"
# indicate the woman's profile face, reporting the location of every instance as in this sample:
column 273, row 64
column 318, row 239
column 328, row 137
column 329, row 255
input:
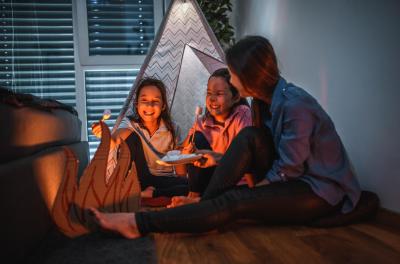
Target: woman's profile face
column 235, row 81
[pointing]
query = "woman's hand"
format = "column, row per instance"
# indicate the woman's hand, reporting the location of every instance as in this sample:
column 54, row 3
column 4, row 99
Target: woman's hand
column 209, row 159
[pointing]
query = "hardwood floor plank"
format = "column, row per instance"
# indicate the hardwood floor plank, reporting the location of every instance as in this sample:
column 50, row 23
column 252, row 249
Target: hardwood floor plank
column 257, row 240
column 347, row 245
column 257, row 243
column 390, row 239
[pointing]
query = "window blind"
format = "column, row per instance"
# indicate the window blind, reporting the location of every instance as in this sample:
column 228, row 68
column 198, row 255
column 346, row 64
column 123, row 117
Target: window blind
column 36, row 48
column 106, row 90
column 120, row 27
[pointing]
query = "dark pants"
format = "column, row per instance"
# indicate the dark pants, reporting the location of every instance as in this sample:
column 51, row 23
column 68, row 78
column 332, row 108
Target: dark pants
column 198, row 178
column 145, row 177
column 222, row 202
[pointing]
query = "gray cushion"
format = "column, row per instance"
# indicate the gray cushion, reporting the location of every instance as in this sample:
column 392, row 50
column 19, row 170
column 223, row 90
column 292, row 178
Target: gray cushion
column 27, row 130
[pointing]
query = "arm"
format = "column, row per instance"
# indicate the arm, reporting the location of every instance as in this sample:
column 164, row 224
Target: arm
column 185, row 142
column 209, row 159
column 294, row 143
column 116, row 137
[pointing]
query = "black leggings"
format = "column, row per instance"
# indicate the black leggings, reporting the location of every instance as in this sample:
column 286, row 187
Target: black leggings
column 222, row 202
column 145, row 177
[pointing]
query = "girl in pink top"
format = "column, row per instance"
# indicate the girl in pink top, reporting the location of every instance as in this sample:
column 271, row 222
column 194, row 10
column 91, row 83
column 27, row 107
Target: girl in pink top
column 227, row 113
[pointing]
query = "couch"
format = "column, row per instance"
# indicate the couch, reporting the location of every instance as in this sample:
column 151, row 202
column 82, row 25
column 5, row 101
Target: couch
column 32, row 160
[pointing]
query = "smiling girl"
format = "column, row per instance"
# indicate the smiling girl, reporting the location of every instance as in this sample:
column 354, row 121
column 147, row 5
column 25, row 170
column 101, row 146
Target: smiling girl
column 227, row 114
column 149, row 128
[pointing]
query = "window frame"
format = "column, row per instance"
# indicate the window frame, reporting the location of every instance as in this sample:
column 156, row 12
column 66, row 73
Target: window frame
column 83, row 38
column 84, row 62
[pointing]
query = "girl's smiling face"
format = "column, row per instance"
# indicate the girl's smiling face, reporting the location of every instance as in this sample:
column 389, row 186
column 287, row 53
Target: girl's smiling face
column 150, row 104
column 219, row 99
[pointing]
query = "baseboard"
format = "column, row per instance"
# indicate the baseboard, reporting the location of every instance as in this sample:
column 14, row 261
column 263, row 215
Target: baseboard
column 389, row 218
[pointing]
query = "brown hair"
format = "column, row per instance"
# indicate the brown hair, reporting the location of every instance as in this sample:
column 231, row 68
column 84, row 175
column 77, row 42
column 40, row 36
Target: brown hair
column 254, row 61
column 165, row 114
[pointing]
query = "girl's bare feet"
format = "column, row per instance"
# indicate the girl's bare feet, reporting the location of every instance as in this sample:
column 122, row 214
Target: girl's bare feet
column 182, row 200
column 122, row 223
column 193, row 195
column 148, row 192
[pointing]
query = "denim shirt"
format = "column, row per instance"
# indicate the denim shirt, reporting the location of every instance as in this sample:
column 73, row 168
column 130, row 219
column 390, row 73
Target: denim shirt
column 309, row 147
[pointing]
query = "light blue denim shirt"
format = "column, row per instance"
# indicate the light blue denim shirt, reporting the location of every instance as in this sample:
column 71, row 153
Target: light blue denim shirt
column 309, row 147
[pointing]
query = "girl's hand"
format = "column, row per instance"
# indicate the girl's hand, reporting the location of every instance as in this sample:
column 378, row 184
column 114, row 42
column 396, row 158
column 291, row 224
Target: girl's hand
column 190, row 148
column 209, row 159
column 115, row 139
column 96, row 129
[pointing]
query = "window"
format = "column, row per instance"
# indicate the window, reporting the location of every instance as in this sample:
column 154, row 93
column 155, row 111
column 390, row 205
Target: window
column 37, row 48
column 114, row 37
column 85, row 53
column 106, row 90
column 117, row 32
column 120, row 29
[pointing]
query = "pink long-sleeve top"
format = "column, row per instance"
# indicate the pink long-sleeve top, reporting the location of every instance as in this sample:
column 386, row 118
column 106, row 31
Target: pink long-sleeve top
column 220, row 136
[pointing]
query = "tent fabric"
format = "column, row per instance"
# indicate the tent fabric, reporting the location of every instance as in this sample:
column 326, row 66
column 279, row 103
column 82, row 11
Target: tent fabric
column 184, row 39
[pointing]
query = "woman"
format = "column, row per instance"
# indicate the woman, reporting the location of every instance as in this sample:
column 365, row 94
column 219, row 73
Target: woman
column 294, row 152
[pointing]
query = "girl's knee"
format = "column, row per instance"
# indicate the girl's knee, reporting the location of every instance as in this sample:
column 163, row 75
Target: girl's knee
column 133, row 140
column 201, row 141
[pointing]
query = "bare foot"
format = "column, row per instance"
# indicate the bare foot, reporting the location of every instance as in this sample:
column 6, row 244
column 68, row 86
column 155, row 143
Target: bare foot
column 122, row 223
column 148, row 192
column 193, row 195
column 182, row 200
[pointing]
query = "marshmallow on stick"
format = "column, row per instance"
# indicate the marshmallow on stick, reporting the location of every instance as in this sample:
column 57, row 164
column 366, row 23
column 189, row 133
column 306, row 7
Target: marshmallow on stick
column 106, row 114
column 198, row 112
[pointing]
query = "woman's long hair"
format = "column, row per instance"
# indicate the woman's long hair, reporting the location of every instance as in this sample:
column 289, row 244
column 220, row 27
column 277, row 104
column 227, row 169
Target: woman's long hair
column 165, row 114
column 254, row 61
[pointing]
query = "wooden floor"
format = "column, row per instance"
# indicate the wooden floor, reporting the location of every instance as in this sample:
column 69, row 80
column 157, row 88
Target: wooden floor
column 368, row 242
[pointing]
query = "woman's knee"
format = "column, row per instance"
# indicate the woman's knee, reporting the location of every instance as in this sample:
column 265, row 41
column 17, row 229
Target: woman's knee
column 251, row 133
column 256, row 137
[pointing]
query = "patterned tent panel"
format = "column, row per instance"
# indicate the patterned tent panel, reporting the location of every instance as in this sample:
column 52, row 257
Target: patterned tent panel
column 191, row 89
column 183, row 24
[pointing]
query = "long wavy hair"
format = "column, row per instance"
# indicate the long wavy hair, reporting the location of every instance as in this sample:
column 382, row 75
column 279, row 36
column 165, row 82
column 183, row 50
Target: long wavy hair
column 254, row 61
column 165, row 113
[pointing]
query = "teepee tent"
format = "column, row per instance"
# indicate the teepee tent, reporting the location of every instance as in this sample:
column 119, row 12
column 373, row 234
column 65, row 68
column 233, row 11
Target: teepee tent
column 184, row 53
